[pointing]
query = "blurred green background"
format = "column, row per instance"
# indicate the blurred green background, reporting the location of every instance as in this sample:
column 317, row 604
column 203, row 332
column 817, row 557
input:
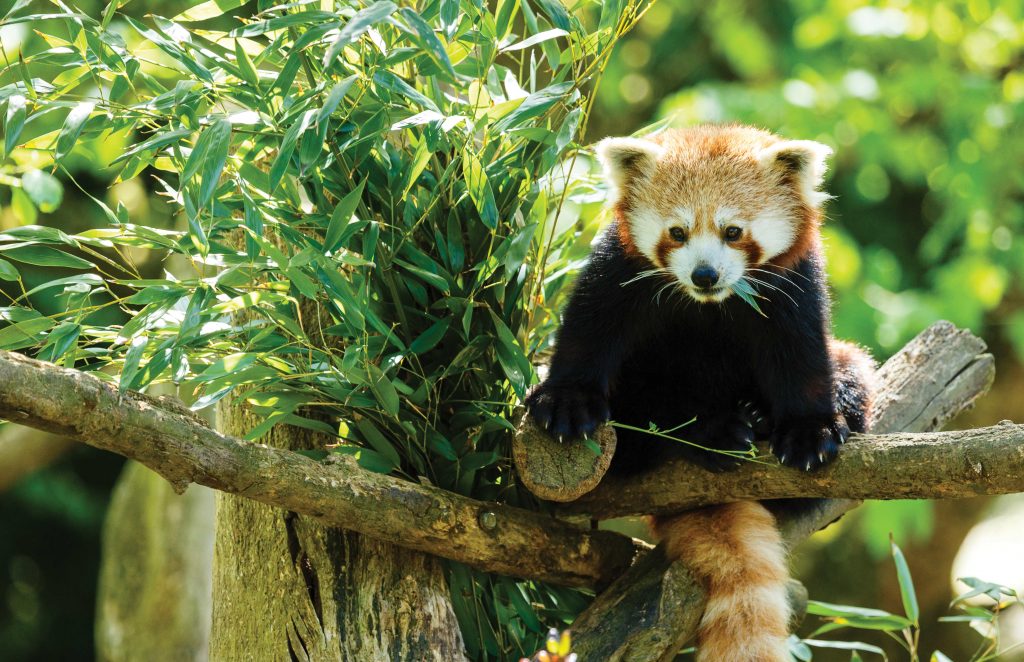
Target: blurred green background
column 922, row 103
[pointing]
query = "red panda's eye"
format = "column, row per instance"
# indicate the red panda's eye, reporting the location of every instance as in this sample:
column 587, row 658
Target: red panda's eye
column 732, row 233
column 677, row 233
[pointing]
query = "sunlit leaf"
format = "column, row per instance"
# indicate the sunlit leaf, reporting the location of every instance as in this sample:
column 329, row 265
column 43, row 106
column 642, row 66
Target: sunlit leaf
column 43, row 189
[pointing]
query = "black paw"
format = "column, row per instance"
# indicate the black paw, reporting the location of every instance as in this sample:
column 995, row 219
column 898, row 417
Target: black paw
column 728, row 441
column 567, row 412
column 756, row 418
column 810, row 443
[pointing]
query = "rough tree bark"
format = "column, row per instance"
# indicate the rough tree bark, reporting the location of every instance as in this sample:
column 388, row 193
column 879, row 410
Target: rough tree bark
column 288, row 587
column 183, row 449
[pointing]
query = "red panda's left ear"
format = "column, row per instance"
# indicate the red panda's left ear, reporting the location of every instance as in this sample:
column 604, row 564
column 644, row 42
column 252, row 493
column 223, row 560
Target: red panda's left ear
column 804, row 160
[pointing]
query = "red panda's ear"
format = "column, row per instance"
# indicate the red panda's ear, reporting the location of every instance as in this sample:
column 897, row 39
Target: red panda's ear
column 802, row 160
column 626, row 160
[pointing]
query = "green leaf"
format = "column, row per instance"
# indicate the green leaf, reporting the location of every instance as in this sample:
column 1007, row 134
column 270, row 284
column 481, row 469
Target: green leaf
column 429, row 338
column 534, row 105
column 556, row 13
column 153, row 143
column 479, row 189
column 373, row 436
column 341, row 216
column 108, row 12
column 43, row 189
column 85, row 281
column 337, row 93
column 72, row 128
column 284, row 154
column 22, row 207
column 907, row 592
column 390, row 81
column 382, row 387
column 846, row 646
column 14, row 121
column 59, row 341
column 172, row 49
column 131, row 361
column 8, row 271
column 518, row 249
column 25, row 333
column 44, row 256
column 857, row 617
column 357, row 25
column 511, row 357
column 208, row 9
column 215, row 156
column 746, row 292
column 535, row 39
column 428, row 41
column 245, row 66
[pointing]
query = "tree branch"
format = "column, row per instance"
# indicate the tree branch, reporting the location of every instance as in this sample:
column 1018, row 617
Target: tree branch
column 180, row 447
column 932, row 465
column 653, row 609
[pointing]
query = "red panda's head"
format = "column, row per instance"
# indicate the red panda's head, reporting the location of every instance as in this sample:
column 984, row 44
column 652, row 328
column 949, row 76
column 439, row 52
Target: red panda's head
column 709, row 203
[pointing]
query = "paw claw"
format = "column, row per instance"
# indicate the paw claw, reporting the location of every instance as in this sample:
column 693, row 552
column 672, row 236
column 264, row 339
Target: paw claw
column 567, row 412
column 810, row 443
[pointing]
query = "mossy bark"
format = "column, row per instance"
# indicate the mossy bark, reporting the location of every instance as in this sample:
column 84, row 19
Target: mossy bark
column 287, row 587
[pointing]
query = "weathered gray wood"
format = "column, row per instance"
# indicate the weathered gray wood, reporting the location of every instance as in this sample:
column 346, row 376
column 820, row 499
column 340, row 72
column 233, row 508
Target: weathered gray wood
column 654, row 608
column 560, row 471
column 178, row 446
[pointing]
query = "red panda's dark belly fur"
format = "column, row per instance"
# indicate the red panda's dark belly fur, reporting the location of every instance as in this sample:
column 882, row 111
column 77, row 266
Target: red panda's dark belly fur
column 679, row 359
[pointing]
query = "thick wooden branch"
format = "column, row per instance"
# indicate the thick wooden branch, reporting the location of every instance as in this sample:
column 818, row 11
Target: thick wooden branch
column 931, row 465
column 652, row 610
column 181, row 448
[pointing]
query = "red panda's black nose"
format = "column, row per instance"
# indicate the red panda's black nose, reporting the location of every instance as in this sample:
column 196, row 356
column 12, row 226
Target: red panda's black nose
column 704, row 276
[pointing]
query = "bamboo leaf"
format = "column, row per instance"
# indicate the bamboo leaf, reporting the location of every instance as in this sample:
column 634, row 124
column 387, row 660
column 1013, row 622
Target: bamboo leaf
column 72, row 128
column 208, row 9
column 14, row 121
column 907, row 592
column 43, row 189
column 341, row 217
column 479, row 189
column 44, row 256
column 356, row 26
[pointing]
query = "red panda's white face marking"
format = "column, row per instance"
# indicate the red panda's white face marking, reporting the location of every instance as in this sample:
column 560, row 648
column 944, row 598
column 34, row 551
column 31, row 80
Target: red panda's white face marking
column 705, row 205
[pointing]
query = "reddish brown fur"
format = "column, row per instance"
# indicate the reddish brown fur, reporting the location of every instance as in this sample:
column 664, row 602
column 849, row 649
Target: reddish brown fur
column 718, row 166
column 620, row 212
column 736, row 551
column 665, row 247
column 753, row 250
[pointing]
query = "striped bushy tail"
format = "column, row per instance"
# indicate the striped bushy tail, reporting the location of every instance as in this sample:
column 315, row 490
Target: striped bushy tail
column 736, row 551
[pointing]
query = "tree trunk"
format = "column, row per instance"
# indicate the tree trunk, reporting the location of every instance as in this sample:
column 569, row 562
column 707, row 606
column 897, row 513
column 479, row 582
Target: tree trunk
column 286, row 587
column 154, row 590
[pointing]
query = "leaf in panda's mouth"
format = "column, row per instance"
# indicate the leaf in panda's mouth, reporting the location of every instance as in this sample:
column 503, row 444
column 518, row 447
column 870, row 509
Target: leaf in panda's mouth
column 744, row 290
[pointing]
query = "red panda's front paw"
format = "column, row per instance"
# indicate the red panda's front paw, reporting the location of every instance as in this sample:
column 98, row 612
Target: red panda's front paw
column 809, row 443
column 568, row 412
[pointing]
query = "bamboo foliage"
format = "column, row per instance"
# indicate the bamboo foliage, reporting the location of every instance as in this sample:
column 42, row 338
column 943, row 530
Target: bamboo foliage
column 406, row 170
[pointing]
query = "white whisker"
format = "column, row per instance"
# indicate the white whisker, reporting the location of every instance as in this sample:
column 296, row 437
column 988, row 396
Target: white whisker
column 781, row 291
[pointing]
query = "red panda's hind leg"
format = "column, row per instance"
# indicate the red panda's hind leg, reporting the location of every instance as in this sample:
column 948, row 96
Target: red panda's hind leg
column 853, row 370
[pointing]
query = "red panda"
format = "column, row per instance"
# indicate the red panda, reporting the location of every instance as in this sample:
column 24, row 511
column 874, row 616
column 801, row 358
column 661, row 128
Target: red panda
column 655, row 334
